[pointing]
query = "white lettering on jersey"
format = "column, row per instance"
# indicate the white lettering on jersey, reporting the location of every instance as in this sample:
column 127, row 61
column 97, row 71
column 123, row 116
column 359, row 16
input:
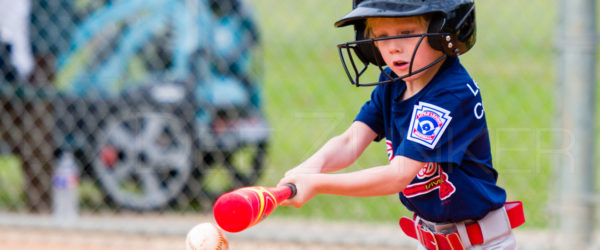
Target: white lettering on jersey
column 478, row 109
column 475, row 92
column 478, row 114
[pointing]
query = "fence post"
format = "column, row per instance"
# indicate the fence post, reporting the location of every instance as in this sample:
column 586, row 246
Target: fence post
column 577, row 46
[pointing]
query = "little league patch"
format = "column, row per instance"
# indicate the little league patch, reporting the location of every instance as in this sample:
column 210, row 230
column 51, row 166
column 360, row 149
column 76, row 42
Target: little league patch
column 427, row 124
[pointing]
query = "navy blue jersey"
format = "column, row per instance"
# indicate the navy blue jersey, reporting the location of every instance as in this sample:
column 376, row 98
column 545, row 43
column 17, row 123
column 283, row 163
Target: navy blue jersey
column 444, row 125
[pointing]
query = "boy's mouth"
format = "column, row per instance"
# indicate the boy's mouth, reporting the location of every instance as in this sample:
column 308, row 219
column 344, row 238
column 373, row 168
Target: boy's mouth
column 400, row 64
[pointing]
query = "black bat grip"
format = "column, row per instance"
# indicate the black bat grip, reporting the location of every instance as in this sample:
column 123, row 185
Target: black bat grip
column 293, row 188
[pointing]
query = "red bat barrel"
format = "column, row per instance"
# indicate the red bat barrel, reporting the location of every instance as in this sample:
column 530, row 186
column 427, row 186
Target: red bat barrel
column 245, row 207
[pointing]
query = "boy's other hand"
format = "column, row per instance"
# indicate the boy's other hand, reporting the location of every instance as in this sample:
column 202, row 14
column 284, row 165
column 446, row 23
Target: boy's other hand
column 305, row 188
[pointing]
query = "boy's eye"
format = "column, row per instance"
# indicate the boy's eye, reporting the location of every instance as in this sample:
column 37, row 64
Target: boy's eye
column 401, row 33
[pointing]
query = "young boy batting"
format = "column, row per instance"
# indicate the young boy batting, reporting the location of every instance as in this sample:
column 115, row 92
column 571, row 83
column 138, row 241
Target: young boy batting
column 430, row 113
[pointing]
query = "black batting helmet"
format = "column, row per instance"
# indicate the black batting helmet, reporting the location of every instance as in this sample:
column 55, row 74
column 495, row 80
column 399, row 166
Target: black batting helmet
column 451, row 29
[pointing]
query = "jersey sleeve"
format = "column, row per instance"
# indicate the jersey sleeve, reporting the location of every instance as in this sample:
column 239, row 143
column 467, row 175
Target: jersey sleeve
column 372, row 111
column 443, row 126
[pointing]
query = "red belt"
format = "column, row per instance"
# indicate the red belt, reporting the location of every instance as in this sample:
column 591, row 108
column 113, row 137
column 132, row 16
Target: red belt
column 432, row 240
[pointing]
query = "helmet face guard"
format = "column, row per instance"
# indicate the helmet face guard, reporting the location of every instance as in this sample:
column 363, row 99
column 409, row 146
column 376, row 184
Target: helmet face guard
column 451, row 30
column 357, row 49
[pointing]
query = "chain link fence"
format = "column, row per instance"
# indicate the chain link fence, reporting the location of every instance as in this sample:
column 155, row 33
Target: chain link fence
column 165, row 104
column 147, row 96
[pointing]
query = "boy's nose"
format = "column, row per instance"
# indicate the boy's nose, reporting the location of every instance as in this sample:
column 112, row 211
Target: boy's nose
column 394, row 48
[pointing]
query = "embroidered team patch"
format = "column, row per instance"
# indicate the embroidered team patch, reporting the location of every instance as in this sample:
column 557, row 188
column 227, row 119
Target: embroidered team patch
column 427, row 124
column 441, row 182
column 390, row 149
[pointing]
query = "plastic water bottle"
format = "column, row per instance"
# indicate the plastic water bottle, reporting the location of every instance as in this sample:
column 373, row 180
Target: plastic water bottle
column 65, row 202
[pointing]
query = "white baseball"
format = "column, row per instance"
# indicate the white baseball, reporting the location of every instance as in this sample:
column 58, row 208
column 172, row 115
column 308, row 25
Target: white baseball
column 206, row 236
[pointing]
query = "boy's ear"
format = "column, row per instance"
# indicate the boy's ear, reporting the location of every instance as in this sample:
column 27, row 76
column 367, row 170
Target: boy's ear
column 460, row 27
column 436, row 24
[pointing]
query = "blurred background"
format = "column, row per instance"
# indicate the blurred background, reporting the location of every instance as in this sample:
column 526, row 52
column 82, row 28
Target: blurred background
column 133, row 116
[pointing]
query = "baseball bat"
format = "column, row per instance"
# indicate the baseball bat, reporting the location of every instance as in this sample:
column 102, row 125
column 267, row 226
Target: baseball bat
column 245, row 207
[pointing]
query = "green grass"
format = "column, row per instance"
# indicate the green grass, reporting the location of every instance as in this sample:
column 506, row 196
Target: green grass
column 11, row 183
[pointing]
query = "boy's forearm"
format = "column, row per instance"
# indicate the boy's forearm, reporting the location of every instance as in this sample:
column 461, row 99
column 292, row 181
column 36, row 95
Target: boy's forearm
column 376, row 181
column 337, row 153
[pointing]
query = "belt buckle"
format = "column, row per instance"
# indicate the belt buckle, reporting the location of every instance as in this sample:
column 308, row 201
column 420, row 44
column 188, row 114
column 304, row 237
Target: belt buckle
column 427, row 238
column 446, row 229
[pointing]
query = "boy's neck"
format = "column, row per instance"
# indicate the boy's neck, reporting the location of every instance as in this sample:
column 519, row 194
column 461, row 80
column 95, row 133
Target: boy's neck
column 414, row 86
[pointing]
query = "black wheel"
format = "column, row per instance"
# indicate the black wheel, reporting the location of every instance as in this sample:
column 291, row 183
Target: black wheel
column 143, row 160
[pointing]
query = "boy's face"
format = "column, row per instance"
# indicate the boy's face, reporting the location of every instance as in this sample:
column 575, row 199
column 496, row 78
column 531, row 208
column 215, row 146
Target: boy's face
column 397, row 53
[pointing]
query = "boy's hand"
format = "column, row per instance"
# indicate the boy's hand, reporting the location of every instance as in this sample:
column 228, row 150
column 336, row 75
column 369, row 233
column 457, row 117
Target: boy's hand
column 305, row 187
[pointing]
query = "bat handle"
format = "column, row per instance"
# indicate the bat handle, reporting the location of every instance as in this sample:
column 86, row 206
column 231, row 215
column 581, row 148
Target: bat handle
column 293, row 189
